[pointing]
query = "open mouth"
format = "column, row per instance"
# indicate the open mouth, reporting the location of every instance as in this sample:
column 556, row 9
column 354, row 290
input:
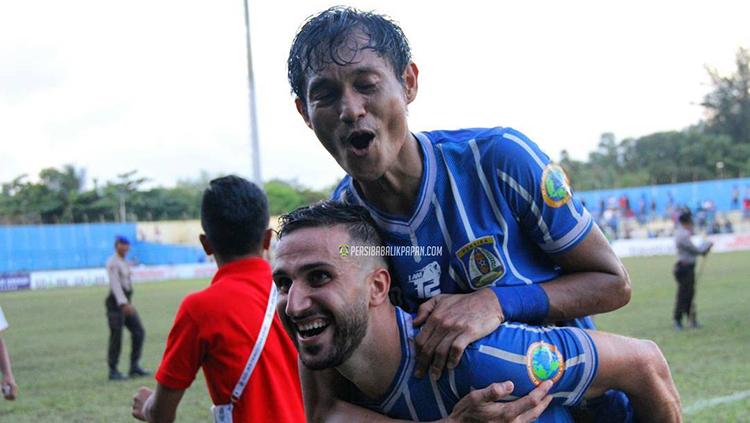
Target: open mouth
column 310, row 328
column 360, row 140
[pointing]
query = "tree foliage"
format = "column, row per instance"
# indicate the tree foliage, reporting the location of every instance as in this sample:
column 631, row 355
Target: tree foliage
column 59, row 196
column 718, row 147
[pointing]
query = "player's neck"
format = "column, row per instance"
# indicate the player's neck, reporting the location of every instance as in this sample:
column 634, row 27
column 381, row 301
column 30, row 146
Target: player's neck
column 373, row 365
column 396, row 191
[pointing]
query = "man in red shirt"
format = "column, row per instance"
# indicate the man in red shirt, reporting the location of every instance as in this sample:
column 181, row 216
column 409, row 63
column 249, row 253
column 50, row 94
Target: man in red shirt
column 217, row 328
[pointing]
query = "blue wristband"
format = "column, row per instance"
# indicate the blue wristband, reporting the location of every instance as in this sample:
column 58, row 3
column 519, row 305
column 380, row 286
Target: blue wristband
column 523, row 303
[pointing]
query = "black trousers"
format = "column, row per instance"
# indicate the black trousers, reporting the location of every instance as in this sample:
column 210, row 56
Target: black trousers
column 685, row 276
column 116, row 320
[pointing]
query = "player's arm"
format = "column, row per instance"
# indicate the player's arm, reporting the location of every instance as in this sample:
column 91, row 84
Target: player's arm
column 158, row 406
column 638, row 368
column 594, row 280
column 321, row 391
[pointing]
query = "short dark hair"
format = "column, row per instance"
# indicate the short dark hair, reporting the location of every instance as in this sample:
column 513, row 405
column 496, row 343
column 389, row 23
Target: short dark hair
column 356, row 219
column 321, row 37
column 234, row 216
column 685, row 217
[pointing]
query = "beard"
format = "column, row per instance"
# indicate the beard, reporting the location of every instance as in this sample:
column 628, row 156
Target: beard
column 350, row 328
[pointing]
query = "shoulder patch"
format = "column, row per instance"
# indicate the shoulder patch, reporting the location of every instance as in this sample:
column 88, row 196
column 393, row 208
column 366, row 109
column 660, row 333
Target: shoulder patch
column 544, row 362
column 555, row 186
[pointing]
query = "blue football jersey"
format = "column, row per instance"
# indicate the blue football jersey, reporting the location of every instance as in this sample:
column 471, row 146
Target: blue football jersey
column 525, row 355
column 491, row 209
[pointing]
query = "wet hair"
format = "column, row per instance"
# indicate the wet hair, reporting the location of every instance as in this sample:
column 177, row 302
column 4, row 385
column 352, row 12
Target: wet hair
column 326, row 38
column 356, row 219
column 234, row 216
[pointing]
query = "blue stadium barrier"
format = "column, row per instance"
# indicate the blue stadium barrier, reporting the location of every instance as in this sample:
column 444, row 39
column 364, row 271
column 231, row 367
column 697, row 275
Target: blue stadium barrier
column 688, row 194
column 52, row 247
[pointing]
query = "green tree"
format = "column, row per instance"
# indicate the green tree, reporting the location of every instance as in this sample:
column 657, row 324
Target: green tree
column 728, row 104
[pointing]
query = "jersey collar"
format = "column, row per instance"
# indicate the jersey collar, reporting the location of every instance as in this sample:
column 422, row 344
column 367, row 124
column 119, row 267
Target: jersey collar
column 408, row 224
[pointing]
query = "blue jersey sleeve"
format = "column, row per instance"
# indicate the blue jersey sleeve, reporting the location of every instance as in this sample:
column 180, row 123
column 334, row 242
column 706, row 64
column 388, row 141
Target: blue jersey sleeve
column 538, row 192
column 340, row 192
column 528, row 356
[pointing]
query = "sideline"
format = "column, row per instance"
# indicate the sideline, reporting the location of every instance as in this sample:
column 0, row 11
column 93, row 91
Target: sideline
column 701, row 405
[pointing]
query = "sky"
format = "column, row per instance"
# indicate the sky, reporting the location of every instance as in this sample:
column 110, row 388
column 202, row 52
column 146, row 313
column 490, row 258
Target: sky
column 160, row 86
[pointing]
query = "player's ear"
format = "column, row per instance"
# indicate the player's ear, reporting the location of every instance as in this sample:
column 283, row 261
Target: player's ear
column 410, row 78
column 267, row 235
column 302, row 110
column 206, row 244
column 379, row 286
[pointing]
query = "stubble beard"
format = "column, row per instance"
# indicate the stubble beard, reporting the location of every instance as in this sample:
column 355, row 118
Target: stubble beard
column 350, row 330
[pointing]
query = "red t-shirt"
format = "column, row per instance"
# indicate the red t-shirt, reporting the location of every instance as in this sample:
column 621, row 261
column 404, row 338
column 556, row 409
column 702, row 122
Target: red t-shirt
column 216, row 329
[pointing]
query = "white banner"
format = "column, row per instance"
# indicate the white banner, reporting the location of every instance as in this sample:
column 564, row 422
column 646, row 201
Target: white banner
column 98, row 276
column 665, row 246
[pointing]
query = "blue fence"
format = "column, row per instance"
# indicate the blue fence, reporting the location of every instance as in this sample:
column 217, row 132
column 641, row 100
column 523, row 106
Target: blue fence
column 52, row 247
column 721, row 192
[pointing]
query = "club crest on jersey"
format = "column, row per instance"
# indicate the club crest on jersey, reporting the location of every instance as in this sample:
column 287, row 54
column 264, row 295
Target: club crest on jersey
column 555, row 186
column 426, row 281
column 544, row 362
column 481, row 262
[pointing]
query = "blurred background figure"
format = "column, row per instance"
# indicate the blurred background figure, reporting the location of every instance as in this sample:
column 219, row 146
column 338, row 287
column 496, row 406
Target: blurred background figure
column 684, row 270
column 8, row 383
column 121, row 312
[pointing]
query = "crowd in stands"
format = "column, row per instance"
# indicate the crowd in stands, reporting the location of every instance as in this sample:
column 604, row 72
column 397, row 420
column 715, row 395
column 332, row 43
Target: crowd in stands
column 622, row 218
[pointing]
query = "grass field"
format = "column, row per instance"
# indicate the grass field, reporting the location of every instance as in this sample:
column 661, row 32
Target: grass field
column 58, row 343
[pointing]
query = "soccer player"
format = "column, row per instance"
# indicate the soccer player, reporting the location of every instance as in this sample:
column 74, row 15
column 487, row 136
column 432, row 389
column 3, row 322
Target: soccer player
column 335, row 306
column 502, row 214
column 121, row 312
column 230, row 328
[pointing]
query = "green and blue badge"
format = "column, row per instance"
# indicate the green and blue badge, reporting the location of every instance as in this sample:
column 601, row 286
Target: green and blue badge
column 555, row 186
column 544, row 362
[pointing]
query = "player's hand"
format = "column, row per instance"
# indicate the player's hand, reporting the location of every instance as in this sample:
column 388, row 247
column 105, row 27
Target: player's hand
column 139, row 400
column 451, row 322
column 127, row 309
column 9, row 387
column 480, row 405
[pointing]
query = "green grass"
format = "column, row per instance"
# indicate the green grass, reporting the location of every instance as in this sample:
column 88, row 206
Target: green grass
column 58, row 341
column 706, row 363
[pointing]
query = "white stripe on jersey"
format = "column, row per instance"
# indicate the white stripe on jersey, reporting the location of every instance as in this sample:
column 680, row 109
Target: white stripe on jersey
column 457, row 197
column 438, row 398
column 588, row 370
column 452, row 383
column 448, row 241
column 502, row 354
column 526, row 147
column 495, row 211
column 532, row 204
column 573, row 361
column 415, row 242
column 410, row 404
column 570, row 237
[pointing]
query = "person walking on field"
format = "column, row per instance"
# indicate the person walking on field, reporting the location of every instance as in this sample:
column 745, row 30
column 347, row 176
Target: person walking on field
column 684, row 270
column 121, row 312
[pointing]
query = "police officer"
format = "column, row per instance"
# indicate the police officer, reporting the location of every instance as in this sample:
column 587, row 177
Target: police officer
column 684, row 270
column 120, row 311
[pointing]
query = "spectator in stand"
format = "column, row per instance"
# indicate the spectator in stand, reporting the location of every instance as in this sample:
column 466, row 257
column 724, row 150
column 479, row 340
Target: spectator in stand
column 8, row 382
column 735, row 197
column 746, row 205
